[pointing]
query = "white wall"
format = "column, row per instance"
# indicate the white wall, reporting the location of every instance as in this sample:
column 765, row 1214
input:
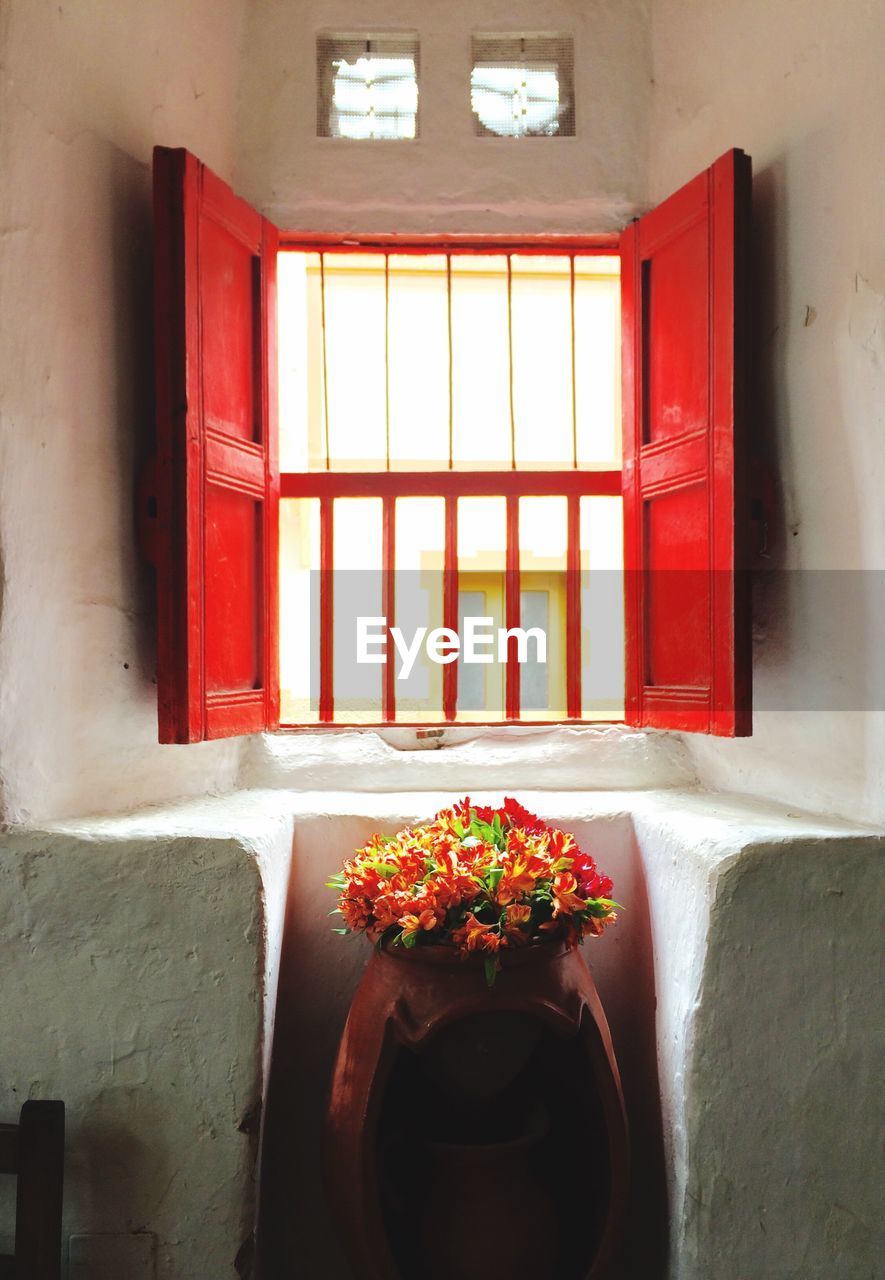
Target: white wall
column 447, row 180
column 88, row 88
column 799, row 85
column 738, row 984
column 140, row 965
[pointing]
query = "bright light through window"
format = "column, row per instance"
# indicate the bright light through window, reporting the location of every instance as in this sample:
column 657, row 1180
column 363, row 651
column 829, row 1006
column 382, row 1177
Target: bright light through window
column 409, row 362
column 515, row 102
column 368, row 88
column 407, row 381
column 521, row 86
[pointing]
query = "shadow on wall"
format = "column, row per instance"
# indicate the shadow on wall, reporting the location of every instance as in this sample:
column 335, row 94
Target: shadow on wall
column 809, row 624
column 298, row 1232
column 135, row 376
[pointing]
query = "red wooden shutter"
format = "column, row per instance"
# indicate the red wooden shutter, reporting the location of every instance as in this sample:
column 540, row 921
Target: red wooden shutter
column 213, row 510
column 685, row 362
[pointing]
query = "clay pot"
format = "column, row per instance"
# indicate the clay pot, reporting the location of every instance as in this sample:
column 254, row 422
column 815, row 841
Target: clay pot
column 429, row 1011
column 499, row 1221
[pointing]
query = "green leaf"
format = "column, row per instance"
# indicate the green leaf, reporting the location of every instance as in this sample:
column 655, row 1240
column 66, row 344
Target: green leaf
column 386, row 869
column 343, row 933
column 483, row 830
column 408, row 940
column 490, row 965
column 494, row 878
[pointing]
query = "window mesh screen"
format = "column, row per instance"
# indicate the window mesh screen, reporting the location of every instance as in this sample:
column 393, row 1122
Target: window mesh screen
column 522, row 86
column 367, row 86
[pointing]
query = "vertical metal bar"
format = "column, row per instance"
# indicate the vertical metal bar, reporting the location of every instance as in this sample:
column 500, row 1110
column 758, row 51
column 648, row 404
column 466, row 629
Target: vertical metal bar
column 574, row 363
column 388, row 605
column 512, row 608
column 387, row 358
column 573, row 610
column 327, row 561
column 510, row 358
column 450, row 604
column 325, row 360
column 451, row 363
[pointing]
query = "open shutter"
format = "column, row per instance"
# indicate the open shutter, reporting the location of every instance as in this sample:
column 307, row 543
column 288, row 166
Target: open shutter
column 686, row 512
column 213, row 501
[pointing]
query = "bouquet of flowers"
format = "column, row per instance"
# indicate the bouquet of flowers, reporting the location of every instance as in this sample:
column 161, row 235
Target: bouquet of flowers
column 477, row 879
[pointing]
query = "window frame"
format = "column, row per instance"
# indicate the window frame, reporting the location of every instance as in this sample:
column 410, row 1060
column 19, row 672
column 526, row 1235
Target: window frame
column 572, row 484
column 686, row 367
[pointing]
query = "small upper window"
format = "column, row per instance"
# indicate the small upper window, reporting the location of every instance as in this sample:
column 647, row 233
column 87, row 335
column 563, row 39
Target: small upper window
column 367, row 86
column 522, row 86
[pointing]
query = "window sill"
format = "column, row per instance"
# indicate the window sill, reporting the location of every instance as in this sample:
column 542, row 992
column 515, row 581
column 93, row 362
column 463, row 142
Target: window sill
column 464, row 758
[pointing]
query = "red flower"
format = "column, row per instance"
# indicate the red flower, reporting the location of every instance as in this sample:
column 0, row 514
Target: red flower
column 421, row 882
column 518, row 816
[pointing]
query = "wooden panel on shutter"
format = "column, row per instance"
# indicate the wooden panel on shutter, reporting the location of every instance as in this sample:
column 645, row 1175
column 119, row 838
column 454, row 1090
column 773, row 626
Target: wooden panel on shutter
column 212, row 502
column 686, row 511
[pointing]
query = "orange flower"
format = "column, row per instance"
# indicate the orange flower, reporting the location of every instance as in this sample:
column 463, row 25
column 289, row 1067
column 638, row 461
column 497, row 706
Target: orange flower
column 518, row 878
column 471, row 934
column 356, row 912
column 562, row 844
column 411, row 923
column 566, row 899
column 519, row 913
column 595, row 926
column 516, row 917
column 486, row 862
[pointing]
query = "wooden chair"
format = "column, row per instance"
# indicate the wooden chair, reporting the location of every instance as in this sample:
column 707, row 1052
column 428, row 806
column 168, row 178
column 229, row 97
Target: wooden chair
column 33, row 1150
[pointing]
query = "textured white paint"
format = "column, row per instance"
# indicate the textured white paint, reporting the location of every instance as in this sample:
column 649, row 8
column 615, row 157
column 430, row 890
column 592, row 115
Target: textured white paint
column 87, row 89
column 799, row 85
column 769, row 1029
column 141, row 956
column 140, row 963
column 141, row 953
column 560, row 759
column 748, row 945
column 448, row 179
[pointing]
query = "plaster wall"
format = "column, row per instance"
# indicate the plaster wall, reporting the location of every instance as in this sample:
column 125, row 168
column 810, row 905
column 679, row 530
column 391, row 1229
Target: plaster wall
column 769, row 1035
column 87, row 89
column 741, row 987
column 320, row 972
column 799, row 86
column 145, row 958
column 140, row 963
column 446, row 180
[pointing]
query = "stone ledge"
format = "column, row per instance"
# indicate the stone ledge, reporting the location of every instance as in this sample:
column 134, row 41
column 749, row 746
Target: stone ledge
column 140, row 964
column 142, row 957
column 560, row 758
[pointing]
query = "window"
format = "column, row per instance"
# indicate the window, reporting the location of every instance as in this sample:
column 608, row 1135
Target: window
column 477, row 390
column 522, row 86
column 367, row 86
column 492, row 504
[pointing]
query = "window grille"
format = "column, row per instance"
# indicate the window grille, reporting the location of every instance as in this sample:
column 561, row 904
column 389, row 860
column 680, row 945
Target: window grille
column 449, row 434
column 522, row 86
column 367, row 86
